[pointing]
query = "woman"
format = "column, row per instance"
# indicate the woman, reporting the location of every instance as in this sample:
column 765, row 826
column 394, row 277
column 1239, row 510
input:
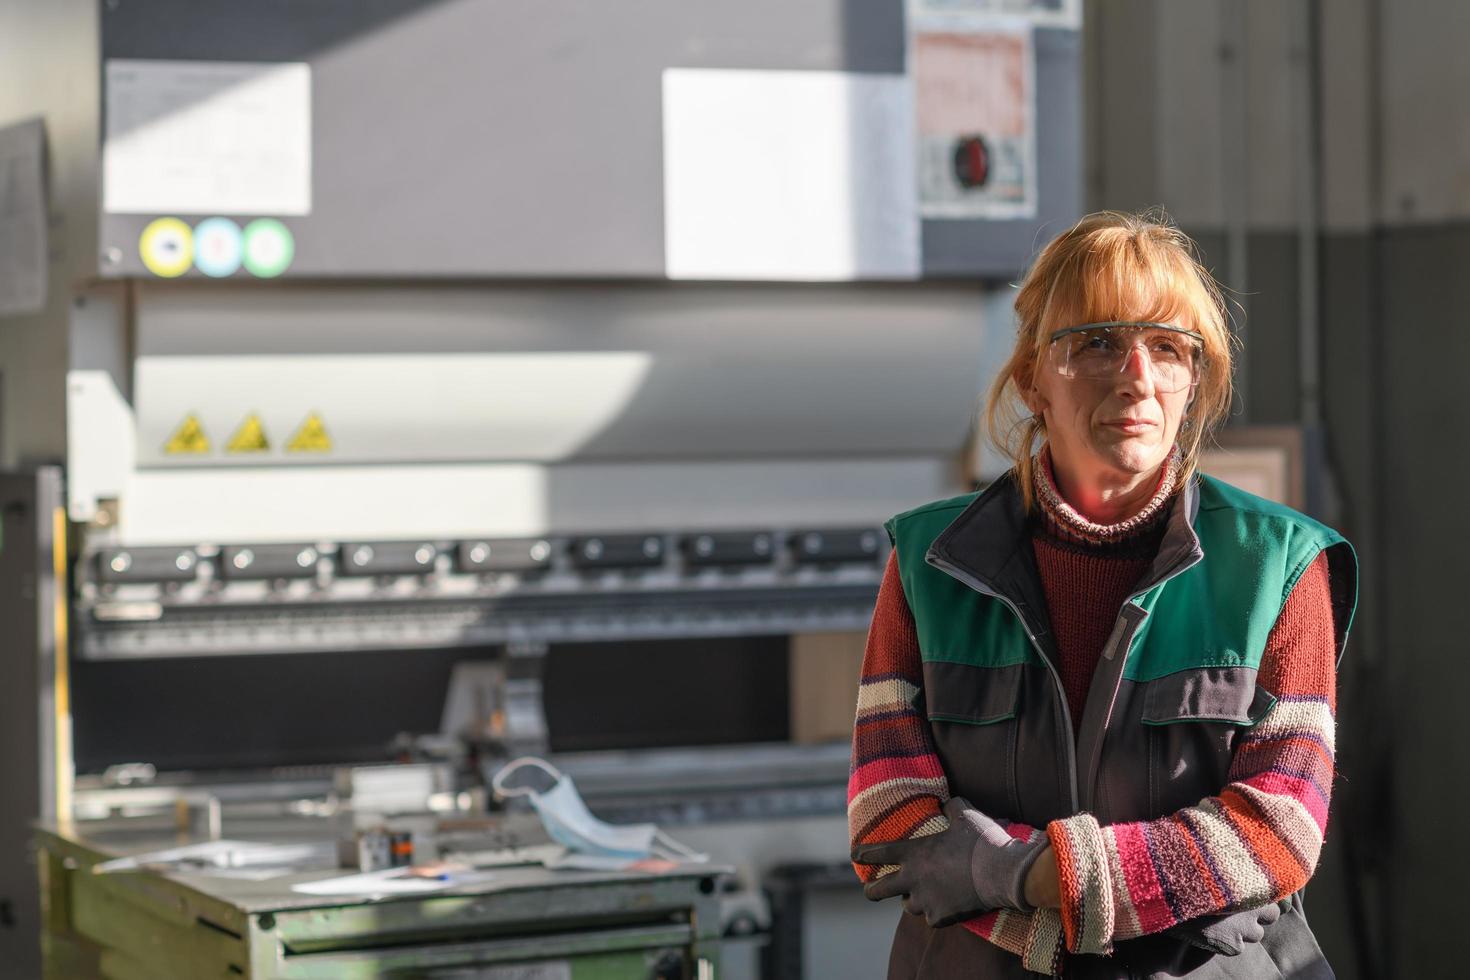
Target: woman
column 1095, row 727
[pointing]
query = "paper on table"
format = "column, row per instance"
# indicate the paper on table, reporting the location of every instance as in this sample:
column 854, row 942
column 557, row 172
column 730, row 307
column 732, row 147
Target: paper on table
column 589, row 862
column 240, row 874
column 219, row 854
column 23, row 220
column 389, row 881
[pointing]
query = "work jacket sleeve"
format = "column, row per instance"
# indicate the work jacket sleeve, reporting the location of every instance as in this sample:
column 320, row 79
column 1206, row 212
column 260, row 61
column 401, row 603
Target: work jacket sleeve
column 1255, row 842
column 897, row 783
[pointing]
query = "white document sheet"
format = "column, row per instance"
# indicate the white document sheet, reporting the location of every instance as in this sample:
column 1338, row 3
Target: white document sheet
column 389, row 881
column 23, row 224
column 208, row 856
column 789, row 175
column 207, row 137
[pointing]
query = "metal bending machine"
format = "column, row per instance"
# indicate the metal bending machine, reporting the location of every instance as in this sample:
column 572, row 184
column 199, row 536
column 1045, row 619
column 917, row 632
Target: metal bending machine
column 442, row 390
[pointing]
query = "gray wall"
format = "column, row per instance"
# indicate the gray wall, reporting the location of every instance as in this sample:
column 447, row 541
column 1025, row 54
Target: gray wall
column 1317, row 151
column 48, row 52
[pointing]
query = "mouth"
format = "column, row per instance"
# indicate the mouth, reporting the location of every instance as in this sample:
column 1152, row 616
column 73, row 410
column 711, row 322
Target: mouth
column 1130, row 425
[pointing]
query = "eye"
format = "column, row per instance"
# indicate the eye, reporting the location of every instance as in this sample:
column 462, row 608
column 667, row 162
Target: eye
column 1169, row 347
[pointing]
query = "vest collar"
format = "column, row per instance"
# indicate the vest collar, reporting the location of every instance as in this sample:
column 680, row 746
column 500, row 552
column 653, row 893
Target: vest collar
column 988, row 547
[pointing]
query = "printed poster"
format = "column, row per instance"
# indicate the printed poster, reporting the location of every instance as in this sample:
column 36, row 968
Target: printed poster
column 207, row 137
column 975, row 116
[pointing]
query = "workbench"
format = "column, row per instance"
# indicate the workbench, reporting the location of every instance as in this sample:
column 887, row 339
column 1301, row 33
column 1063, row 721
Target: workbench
column 524, row 923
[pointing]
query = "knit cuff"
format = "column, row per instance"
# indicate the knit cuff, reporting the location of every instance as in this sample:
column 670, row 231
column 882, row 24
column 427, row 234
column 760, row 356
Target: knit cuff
column 1043, row 952
column 1086, row 886
column 1036, row 937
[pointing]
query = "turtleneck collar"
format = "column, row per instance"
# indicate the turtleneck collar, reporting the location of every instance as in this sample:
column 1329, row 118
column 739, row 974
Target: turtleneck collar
column 1064, row 521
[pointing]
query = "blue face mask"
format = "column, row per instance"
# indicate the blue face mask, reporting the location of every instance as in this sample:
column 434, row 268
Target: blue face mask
column 568, row 821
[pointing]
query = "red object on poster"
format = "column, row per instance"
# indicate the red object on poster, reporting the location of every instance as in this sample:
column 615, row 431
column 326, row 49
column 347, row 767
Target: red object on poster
column 971, row 161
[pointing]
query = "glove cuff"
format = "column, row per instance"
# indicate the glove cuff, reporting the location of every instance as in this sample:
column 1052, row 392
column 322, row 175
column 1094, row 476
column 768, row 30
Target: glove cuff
column 1009, row 886
column 1032, row 851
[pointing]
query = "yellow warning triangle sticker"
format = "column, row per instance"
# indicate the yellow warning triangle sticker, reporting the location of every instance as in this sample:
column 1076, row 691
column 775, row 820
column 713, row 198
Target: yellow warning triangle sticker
column 249, row 437
column 311, row 437
column 188, row 439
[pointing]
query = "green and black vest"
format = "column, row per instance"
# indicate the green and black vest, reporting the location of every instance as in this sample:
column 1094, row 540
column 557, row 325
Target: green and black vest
column 1176, row 682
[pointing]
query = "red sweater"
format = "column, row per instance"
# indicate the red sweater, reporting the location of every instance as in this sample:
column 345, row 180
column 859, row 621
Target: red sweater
column 1089, row 570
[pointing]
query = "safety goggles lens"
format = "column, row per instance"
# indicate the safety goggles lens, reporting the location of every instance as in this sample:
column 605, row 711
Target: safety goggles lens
column 1100, row 352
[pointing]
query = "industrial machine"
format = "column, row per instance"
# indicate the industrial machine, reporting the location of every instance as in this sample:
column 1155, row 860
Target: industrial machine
column 461, row 379
column 570, row 925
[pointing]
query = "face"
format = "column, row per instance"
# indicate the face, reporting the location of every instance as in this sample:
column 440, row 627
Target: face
column 1107, row 428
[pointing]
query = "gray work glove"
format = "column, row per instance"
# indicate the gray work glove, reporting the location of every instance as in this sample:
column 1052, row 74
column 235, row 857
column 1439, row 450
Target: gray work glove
column 970, row 867
column 1227, row 934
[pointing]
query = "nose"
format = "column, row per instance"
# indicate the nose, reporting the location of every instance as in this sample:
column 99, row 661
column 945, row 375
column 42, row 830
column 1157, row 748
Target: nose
column 1137, row 372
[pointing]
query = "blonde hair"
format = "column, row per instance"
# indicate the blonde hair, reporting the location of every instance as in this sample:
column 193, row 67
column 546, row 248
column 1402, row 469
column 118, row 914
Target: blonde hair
column 1112, row 266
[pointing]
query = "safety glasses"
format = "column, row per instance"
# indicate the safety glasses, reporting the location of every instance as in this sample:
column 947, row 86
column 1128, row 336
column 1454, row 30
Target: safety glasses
column 1100, row 351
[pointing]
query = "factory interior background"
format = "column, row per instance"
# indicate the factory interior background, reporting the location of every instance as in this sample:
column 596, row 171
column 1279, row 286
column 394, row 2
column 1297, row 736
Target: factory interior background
column 393, row 388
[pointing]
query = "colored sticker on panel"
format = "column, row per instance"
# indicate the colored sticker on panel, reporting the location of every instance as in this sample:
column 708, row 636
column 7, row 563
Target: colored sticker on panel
column 269, row 248
column 218, row 247
column 189, row 439
column 250, row 437
column 312, row 437
column 167, row 247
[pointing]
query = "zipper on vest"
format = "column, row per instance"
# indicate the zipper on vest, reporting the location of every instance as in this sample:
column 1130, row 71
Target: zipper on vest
column 1071, row 742
column 1125, row 628
column 1130, row 617
column 1115, row 639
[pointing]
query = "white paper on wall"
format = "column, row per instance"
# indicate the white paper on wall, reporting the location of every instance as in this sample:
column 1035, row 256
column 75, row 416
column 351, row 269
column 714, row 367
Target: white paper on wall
column 23, row 218
column 975, row 113
column 207, row 137
column 789, row 175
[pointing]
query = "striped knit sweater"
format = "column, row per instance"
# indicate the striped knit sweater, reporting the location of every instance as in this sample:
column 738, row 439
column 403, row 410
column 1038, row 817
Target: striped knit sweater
column 1256, row 841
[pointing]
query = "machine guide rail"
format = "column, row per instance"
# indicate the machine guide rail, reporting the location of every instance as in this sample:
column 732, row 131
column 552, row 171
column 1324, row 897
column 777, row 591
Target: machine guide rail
column 160, row 601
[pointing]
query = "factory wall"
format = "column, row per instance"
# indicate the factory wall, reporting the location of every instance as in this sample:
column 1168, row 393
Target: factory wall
column 47, row 48
column 1322, row 146
column 47, row 53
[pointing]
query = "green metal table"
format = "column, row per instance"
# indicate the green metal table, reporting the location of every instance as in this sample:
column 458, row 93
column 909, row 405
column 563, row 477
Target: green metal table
column 523, row 923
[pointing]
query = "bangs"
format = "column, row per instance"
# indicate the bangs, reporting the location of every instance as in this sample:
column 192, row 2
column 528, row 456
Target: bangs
column 1121, row 278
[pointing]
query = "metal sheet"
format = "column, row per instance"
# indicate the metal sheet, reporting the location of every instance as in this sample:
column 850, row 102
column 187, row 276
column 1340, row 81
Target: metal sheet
column 589, row 372
column 525, row 139
column 337, row 503
column 541, row 124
